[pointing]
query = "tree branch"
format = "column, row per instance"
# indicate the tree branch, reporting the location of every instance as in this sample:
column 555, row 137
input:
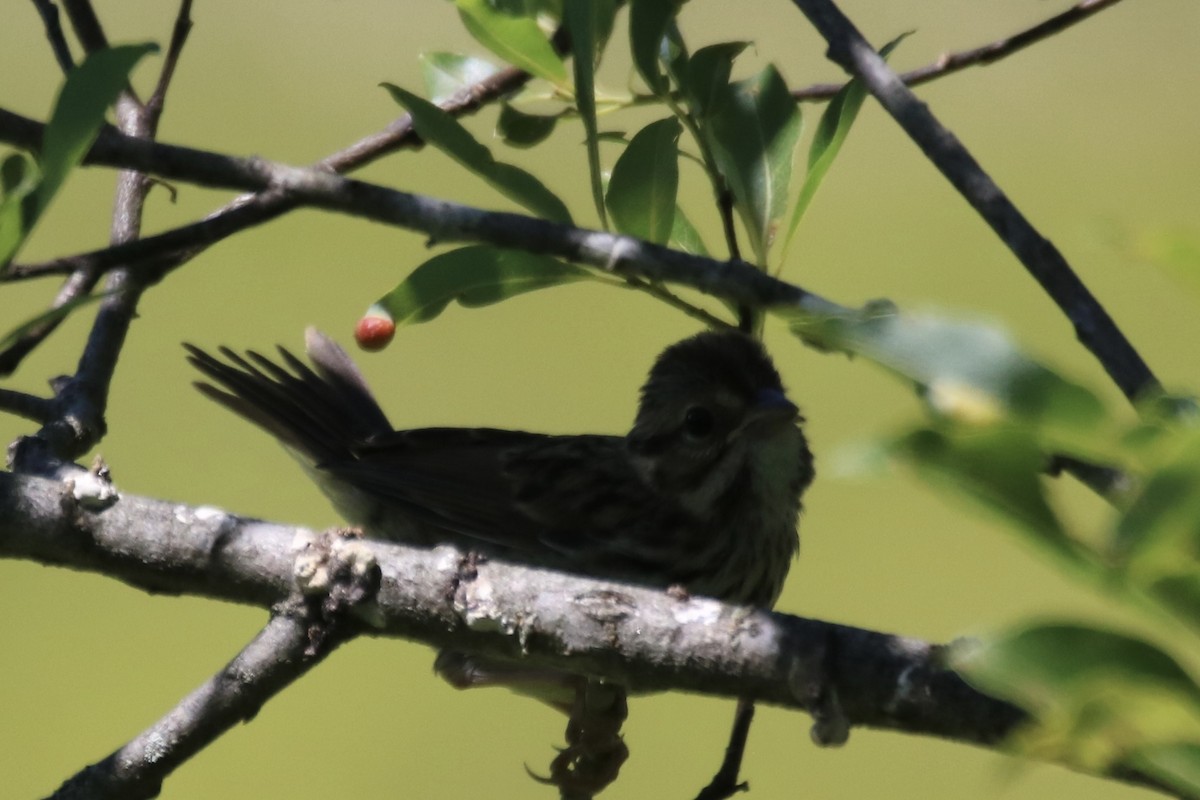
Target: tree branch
column 640, row 638
column 950, row 63
column 1093, row 326
column 271, row 662
column 442, row 220
column 54, row 33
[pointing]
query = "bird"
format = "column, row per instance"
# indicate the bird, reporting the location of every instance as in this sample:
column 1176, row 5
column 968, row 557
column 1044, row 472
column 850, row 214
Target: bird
column 701, row 495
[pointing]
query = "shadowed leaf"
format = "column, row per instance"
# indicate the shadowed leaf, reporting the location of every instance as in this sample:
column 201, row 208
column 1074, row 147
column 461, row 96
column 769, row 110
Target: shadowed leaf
column 641, row 191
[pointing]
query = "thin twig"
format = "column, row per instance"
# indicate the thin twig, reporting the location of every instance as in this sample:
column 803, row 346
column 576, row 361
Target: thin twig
column 1094, row 328
column 950, row 63
column 29, row 406
column 54, row 32
column 443, row 220
column 272, row 661
column 151, row 258
column 86, row 24
column 179, row 35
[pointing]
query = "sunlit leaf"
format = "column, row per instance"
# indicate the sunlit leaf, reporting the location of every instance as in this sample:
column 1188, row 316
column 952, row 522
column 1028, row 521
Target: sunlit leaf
column 446, row 74
column 967, row 371
column 641, row 191
column 446, row 133
column 648, row 24
column 753, row 135
column 999, row 466
column 1098, row 697
column 78, row 114
column 684, row 235
column 86, row 94
column 519, row 129
column 827, row 141
column 473, row 276
column 585, row 19
column 510, row 31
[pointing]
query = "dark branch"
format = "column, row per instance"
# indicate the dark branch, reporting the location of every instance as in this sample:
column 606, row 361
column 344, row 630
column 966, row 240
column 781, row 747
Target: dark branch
column 1093, row 326
column 441, row 220
column 950, row 63
column 86, row 24
column 54, row 32
column 38, row 409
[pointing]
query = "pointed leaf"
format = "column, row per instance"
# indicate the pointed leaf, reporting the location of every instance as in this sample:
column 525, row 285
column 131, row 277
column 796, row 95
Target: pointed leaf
column 446, row 74
column 446, row 133
column 753, row 134
column 684, row 235
column 519, row 129
column 641, row 191
column 708, row 71
column 78, row 114
column 648, row 24
column 585, row 20
column 831, row 132
column 510, row 31
column 474, row 276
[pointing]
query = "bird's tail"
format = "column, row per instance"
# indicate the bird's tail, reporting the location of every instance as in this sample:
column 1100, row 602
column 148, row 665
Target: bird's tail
column 320, row 414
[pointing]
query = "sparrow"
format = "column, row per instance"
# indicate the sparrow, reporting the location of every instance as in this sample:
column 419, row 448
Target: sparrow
column 702, row 494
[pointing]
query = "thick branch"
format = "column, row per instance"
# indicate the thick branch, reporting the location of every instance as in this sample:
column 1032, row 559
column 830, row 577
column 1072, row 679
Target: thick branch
column 639, row 637
column 1093, row 326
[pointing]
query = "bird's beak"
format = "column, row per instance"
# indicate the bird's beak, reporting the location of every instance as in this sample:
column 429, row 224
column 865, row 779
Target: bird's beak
column 771, row 409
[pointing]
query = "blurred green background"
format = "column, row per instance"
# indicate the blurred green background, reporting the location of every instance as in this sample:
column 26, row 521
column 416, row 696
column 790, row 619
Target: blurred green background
column 1094, row 134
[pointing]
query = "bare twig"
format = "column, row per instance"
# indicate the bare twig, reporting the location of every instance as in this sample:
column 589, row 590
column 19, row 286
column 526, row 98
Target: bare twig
column 54, row 32
column 272, row 661
column 1094, row 328
column 179, row 34
column 86, row 24
column 950, row 63
column 24, row 405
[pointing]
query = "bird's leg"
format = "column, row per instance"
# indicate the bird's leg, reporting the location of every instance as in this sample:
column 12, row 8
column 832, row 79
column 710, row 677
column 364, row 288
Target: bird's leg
column 595, row 749
column 725, row 783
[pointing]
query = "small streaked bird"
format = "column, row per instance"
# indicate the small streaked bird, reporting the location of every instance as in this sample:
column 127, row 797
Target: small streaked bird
column 703, row 493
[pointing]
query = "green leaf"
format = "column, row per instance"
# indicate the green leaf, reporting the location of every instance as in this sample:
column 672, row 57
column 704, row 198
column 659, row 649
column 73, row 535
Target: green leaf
column 445, row 133
column 1157, row 539
column 1176, row 764
column 641, row 191
column 648, row 24
column 19, row 181
column 708, row 70
column 48, row 317
column 519, row 129
column 510, row 30
column 831, row 133
column 753, row 135
column 1099, row 697
column 446, row 74
column 969, row 372
column 999, row 467
column 474, row 276
column 86, row 94
column 78, row 113
column 684, row 235
column 585, row 20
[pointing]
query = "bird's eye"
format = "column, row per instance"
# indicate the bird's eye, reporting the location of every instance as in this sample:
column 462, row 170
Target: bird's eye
column 698, row 422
